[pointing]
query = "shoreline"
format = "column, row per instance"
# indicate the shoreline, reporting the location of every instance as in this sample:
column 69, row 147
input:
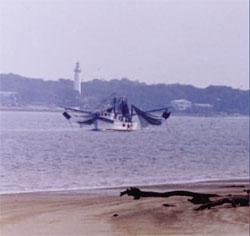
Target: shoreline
column 30, row 109
column 104, row 212
column 197, row 183
column 59, row 110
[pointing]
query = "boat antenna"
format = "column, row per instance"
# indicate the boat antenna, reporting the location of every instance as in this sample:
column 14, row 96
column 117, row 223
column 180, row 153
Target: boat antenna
column 114, row 101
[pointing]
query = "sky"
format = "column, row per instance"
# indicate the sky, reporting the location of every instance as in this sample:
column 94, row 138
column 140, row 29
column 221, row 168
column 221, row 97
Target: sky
column 198, row 42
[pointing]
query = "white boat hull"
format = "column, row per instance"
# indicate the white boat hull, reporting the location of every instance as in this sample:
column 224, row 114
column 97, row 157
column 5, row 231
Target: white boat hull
column 117, row 126
column 106, row 121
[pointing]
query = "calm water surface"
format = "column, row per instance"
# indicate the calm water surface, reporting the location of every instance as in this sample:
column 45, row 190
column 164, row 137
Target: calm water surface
column 41, row 151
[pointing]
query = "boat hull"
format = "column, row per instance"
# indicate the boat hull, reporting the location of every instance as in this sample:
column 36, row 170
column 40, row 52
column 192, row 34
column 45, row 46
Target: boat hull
column 116, row 126
column 104, row 121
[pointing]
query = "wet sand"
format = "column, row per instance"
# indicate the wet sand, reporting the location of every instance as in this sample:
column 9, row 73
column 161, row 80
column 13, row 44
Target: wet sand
column 103, row 212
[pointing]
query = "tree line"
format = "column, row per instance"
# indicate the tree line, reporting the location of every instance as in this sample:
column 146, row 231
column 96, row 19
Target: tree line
column 60, row 93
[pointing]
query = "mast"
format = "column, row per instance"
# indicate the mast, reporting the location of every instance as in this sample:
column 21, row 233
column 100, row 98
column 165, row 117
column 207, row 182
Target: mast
column 114, row 101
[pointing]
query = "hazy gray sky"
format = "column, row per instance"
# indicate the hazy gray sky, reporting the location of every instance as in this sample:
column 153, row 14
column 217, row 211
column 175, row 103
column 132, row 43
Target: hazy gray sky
column 199, row 42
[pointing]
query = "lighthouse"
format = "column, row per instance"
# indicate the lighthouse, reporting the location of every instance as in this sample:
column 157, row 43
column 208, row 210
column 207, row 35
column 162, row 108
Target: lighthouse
column 77, row 80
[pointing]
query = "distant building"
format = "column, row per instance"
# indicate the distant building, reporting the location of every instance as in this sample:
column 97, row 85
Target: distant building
column 77, row 80
column 181, row 104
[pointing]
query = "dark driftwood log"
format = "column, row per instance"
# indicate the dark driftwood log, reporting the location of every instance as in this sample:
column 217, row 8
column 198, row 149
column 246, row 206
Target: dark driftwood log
column 242, row 200
column 198, row 198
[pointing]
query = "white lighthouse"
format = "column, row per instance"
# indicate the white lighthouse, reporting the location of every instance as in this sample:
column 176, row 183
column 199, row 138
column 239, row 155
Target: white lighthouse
column 77, row 80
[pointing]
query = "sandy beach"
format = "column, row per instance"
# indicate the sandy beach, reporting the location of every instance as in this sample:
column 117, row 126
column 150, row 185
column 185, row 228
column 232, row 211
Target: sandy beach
column 104, row 212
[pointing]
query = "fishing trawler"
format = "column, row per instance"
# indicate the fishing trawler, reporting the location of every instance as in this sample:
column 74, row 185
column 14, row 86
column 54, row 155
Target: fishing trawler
column 117, row 116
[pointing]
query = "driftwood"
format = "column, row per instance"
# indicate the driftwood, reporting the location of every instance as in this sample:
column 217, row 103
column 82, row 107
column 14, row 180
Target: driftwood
column 242, row 200
column 198, row 198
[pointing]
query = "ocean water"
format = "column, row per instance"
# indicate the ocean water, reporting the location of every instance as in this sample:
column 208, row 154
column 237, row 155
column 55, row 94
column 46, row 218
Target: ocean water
column 41, row 151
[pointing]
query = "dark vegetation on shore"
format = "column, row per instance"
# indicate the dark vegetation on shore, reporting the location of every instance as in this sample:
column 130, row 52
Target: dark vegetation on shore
column 222, row 99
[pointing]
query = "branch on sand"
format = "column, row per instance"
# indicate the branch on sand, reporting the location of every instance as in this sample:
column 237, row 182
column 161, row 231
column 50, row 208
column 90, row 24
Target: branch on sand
column 242, row 200
column 198, row 198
